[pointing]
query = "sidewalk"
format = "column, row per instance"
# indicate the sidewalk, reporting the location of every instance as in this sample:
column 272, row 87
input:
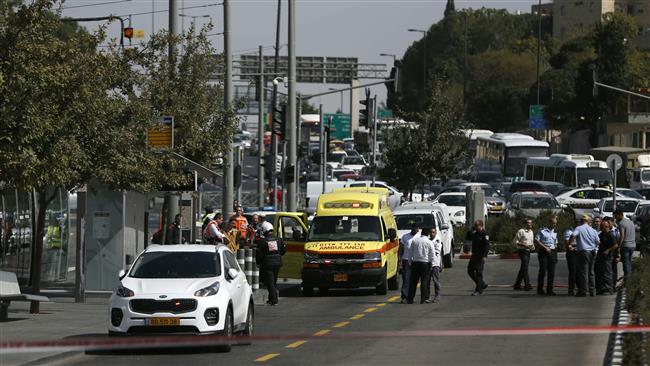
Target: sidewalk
column 62, row 318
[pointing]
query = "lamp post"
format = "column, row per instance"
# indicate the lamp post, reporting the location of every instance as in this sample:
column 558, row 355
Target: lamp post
column 194, row 17
column 334, row 89
column 389, row 55
column 424, row 59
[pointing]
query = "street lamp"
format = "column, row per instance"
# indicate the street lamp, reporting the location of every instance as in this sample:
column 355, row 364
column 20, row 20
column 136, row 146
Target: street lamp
column 424, row 63
column 193, row 17
column 389, row 55
column 334, row 89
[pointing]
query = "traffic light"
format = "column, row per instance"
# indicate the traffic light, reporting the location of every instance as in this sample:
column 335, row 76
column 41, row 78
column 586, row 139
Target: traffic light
column 289, row 173
column 280, row 120
column 366, row 112
column 128, row 32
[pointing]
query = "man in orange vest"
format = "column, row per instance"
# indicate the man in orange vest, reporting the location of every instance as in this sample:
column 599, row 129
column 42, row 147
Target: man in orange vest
column 240, row 223
column 213, row 233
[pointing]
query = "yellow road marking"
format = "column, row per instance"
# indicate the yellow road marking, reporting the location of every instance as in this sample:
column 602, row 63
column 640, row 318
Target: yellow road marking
column 358, row 316
column 296, row 344
column 382, row 304
column 341, row 324
column 267, row 357
column 370, row 310
column 321, row 332
column 394, row 298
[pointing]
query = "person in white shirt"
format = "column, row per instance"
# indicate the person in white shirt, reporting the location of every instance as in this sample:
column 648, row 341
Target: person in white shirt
column 420, row 261
column 405, row 255
column 435, row 264
column 213, row 233
column 525, row 244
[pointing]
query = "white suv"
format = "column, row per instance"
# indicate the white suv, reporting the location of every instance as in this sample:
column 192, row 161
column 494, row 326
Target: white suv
column 186, row 289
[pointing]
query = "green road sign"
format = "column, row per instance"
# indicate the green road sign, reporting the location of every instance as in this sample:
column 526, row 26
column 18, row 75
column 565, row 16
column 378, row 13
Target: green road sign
column 384, row 113
column 340, row 127
column 536, row 119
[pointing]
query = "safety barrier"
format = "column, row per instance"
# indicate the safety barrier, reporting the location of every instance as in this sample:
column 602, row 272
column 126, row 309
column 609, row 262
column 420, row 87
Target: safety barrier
column 246, row 260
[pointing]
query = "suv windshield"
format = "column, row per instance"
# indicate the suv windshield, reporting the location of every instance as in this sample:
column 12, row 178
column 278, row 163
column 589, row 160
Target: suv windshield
column 625, row 206
column 338, row 228
column 177, row 265
column 539, row 203
column 452, row 200
column 424, row 220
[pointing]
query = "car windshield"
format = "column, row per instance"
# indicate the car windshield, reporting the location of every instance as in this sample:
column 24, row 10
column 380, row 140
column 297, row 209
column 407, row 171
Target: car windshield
column 354, row 160
column 335, row 158
column 424, row 220
column 338, row 228
column 452, row 200
column 632, row 194
column 539, row 203
column 625, row 206
column 177, row 265
column 589, row 176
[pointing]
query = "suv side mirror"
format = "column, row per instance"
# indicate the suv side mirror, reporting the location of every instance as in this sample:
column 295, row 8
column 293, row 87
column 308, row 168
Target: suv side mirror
column 232, row 273
column 121, row 274
column 392, row 234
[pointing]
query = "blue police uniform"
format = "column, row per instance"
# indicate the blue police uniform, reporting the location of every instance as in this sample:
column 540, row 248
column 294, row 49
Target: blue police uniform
column 586, row 243
column 547, row 257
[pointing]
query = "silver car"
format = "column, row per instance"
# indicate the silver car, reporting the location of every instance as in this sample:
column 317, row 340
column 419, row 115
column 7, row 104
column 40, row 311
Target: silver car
column 531, row 204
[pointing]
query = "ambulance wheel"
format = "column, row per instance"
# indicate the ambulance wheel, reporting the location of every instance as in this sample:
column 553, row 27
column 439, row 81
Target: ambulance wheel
column 382, row 288
column 393, row 283
column 307, row 290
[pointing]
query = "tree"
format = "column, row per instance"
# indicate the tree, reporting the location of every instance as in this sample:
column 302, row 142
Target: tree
column 450, row 8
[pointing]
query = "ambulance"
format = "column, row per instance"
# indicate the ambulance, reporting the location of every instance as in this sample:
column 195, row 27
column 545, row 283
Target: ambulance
column 351, row 243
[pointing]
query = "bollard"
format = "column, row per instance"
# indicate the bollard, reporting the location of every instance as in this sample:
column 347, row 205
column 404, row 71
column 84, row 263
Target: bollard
column 240, row 258
column 256, row 274
column 248, row 266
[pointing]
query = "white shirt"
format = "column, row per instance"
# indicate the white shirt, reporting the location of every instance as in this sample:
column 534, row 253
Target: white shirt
column 422, row 250
column 437, row 251
column 407, row 239
column 214, row 232
column 525, row 237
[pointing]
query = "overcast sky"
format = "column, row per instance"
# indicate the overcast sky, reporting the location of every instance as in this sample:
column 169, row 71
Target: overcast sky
column 340, row 28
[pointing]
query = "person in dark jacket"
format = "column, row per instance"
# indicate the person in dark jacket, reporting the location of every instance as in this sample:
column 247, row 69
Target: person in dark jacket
column 603, row 266
column 269, row 258
column 174, row 231
column 480, row 249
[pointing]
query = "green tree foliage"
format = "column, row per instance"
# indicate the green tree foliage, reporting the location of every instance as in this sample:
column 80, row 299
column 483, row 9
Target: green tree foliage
column 434, row 147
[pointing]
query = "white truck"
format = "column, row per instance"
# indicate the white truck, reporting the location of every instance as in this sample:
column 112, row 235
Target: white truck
column 639, row 176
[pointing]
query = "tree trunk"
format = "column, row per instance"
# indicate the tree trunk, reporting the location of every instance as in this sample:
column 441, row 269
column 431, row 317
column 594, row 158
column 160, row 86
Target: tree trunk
column 40, row 201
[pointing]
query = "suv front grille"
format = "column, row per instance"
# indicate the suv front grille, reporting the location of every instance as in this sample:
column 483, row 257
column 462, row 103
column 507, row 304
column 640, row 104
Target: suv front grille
column 174, row 306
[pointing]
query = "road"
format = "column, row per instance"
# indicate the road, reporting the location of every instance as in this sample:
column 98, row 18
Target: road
column 380, row 329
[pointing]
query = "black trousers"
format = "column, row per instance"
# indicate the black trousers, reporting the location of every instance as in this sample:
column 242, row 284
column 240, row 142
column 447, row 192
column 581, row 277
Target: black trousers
column 420, row 272
column 475, row 272
column 586, row 280
column 547, row 263
column 524, row 257
column 572, row 262
column 270, row 274
column 604, row 273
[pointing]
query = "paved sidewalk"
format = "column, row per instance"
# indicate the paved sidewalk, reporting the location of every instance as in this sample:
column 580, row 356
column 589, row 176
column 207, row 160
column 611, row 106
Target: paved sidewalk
column 62, row 318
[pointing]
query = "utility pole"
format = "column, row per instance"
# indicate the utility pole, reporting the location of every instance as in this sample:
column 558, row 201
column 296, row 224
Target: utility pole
column 274, row 144
column 228, row 168
column 539, row 43
column 291, row 107
column 260, row 132
column 372, row 113
column 323, row 141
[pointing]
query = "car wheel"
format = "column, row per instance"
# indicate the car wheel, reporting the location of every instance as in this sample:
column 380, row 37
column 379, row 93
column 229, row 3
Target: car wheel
column 227, row 332
column 250, row 322
column 307, row 290
column 382, row 288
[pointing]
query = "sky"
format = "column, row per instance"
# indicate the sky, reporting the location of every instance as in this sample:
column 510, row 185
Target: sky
column 336, row 28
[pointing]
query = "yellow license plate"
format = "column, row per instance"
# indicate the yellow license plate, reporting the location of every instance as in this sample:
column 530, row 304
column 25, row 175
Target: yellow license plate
column 340, row 277
column 163, row 321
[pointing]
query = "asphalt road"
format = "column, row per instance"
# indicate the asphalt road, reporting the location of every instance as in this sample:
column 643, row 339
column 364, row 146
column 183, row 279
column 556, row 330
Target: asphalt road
column 359, row 328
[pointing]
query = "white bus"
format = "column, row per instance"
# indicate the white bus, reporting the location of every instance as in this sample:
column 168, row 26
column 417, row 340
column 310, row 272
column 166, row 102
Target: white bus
column 574, row 170
column 507, row 153
column 472, row 135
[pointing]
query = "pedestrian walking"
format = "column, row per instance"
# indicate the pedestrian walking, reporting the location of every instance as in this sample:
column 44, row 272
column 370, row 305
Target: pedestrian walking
column 626, row 242
column 603, row 267
column 269, row 258
column 435, row 264
column 480, row 249
column 420, row 261
column 586, row 243
column 546, row 240
column 571, row 260
column 524, row 242
column 404, row 252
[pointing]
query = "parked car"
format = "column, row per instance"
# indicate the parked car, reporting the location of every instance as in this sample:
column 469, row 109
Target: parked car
column 455, row 202
column 533, row 185
column 605, row 207
column 338, row 173
column 532, row 204
column 355, row 163
column 583, row 200
column 196, row 289
column 630, row 193
column 496, row 204
column 645, row 192
column 335, row 158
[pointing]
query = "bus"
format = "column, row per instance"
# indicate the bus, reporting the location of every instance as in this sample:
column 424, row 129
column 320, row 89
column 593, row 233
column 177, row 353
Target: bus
column 572, row 170
column 506, row 153
column 472, row 135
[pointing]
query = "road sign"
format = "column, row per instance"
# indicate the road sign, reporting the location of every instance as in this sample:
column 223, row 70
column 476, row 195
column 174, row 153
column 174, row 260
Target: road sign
column 138, row 33
column 340, row 127
column 384, row 113
column 614, row 162
column 161, row 135
column 536, row 120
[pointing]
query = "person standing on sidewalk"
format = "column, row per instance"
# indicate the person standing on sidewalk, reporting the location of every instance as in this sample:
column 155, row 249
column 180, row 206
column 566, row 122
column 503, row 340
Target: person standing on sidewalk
column 524, row 242
column 586, row 243
column 608, row 245
column 480, row 249
column 269, row 257
column 420, row 261
column 405, row 255
column 571, row 259
column 435, row 264
column 546, row 240
column 627, row 240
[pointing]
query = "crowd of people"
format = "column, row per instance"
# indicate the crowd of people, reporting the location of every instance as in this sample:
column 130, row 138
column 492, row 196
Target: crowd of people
column 420, row 263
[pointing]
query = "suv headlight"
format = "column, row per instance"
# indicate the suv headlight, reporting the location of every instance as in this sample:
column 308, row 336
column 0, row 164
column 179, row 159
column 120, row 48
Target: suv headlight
column 208, row 291
column 459, row 213
column 310, row 256
column 372, row 256
column 122, row 291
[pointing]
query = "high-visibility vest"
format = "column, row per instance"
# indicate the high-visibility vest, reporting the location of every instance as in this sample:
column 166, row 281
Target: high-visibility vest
column 241, row 224
column 54, row 237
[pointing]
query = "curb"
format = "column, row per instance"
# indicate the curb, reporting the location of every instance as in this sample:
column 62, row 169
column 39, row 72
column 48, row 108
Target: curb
column 614, row 353
column 51, row 359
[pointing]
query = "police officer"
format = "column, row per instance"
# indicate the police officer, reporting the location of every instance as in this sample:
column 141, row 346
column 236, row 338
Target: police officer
column 269, row 258
column 603, row 266
column 587, row 241
column 480, row 249
column 571, row 258
column 546, row 240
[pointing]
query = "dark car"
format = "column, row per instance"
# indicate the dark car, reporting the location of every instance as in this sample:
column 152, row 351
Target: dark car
column 645, row 192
